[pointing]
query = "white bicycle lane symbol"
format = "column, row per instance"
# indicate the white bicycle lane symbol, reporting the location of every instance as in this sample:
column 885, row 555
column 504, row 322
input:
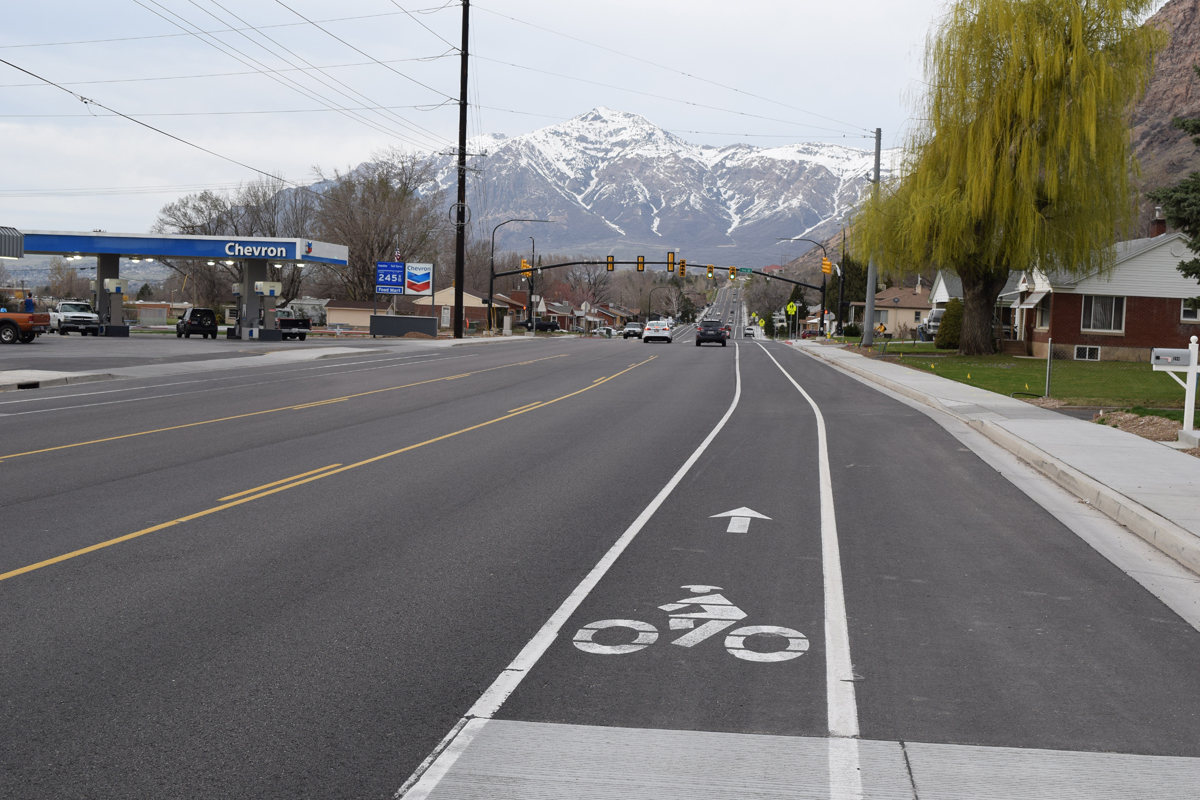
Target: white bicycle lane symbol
column 719, row 612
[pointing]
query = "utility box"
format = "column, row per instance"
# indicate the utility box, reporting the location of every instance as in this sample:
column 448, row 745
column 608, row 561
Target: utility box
column 1166, row 356
column 268, row 288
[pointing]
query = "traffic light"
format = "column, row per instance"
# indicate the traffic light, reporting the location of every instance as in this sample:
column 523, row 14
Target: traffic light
column 710, row 271
column 670, row 262
column 826, row 266
column 682, row 267
column 732, row 272
column 610, row 263
column 641, row 263
column 525, row 270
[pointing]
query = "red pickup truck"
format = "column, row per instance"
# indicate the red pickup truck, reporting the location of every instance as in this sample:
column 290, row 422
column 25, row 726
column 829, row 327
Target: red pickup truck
column 22, row 327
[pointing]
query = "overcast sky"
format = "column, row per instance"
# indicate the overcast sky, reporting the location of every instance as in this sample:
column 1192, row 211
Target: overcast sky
column 817, row 71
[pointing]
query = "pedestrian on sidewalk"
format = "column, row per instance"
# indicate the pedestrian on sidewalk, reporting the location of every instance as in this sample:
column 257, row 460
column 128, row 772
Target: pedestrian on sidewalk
column 29, row 307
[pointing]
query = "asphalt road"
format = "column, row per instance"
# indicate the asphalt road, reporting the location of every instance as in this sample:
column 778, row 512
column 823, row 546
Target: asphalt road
column 294, row 581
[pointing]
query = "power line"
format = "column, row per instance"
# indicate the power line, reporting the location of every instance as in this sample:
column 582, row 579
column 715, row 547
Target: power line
column 220, row 113
column 160, row 131
column 423, row 25
column 233, row 74
column 672, row 69
column 661, row 97
column 395, row 117
column 266, row 71
column 220, row 30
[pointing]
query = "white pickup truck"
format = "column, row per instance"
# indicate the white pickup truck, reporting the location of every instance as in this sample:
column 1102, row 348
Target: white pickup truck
column 75, row 315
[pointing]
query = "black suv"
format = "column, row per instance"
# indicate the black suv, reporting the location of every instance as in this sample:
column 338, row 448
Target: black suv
column 197, row 320
column 710, row 330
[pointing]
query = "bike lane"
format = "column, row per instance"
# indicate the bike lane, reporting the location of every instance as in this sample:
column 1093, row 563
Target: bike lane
column 735, row 551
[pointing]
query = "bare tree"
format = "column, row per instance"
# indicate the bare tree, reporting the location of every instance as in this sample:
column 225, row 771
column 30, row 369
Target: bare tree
column 65, row 280
column 379, row 212
column 591, row 282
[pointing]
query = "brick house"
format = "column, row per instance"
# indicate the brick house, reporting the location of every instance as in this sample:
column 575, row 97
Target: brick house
column 1141, row 303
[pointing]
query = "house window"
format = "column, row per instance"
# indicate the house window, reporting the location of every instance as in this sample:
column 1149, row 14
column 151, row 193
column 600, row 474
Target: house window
column 1103, row 313
column 881, row 316
column 1043, row 312
column 1191, row 310
column 916, row 316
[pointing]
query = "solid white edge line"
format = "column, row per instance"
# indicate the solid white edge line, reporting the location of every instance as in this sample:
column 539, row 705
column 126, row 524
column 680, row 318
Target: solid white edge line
column 455, row 742
column 839, row 672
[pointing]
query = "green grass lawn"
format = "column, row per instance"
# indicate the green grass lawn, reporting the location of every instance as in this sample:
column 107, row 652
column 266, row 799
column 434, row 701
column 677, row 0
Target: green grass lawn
column 1077, row 383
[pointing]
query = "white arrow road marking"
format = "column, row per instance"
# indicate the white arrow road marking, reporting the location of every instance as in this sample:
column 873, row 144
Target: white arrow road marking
column 739, row 519
column 433, row 768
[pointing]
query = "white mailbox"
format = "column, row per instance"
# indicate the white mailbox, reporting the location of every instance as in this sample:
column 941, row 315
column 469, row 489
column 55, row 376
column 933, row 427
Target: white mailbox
column 237, row 290
column 1186, row 361
column 116, row 285
column 268, row 288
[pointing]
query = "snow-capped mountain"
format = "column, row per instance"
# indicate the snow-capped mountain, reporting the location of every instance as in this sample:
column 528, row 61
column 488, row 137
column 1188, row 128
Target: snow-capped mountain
column 615, row 182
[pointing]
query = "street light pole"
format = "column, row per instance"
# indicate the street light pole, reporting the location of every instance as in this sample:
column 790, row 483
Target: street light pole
column 825, row 253
column 492, row 264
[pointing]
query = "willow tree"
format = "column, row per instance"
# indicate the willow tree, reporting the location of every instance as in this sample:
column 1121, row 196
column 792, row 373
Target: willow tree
column 1022, row 154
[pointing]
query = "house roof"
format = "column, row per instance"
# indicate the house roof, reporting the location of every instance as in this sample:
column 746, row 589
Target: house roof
column 900, row 297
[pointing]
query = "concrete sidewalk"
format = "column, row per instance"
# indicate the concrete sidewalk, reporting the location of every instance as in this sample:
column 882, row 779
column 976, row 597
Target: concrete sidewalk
column 1145, row 486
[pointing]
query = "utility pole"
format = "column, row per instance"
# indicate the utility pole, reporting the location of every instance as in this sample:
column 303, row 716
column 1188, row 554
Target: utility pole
column 869, row 312
column 841, row 283
column 460, row 225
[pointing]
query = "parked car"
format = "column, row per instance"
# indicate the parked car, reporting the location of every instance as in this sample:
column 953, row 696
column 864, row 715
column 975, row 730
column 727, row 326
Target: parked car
column 542, row 325
column 657, row 330
column 809, row 333
column 22, row 327
column 632, row 329
column 929, row 328
column 75, row 315
column 605, row 331
column 710, row 330
column 196, row 320
column 293, row 327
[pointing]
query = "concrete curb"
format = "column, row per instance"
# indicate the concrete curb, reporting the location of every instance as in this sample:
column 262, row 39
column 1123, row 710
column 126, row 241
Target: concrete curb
column 1170, row 538
column 63, row 381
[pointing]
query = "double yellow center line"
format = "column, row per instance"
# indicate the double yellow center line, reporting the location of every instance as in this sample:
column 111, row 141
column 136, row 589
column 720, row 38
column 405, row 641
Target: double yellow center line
column 274, row 410
column 268, row 489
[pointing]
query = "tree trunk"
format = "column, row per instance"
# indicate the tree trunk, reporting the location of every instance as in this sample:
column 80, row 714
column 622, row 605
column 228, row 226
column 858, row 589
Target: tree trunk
column 981, row 289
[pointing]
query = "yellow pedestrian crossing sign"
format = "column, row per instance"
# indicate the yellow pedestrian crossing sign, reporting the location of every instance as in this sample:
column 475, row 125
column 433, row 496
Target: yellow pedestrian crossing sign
column 791, row 308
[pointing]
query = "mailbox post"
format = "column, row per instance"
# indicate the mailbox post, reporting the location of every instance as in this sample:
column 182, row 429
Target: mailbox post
column 1186, row 361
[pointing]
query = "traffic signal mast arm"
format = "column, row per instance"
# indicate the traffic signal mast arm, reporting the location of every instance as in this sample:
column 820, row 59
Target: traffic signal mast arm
column 649, row 264
column 586, row 263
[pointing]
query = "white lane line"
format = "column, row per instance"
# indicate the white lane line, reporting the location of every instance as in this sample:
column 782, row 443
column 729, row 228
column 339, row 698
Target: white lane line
column 839, row 672
column 430, row 772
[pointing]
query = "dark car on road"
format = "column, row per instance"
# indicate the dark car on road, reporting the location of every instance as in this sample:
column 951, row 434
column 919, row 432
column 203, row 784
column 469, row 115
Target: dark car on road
column 711, row 330
column 542, row 325
column 197, row 320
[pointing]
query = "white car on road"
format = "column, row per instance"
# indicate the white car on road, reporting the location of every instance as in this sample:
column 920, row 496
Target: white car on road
column 658, row 329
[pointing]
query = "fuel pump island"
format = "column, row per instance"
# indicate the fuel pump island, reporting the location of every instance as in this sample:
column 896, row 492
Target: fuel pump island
column 254, row 258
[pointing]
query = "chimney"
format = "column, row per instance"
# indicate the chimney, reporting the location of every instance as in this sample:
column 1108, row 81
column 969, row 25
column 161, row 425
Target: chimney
column 1158, row 225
